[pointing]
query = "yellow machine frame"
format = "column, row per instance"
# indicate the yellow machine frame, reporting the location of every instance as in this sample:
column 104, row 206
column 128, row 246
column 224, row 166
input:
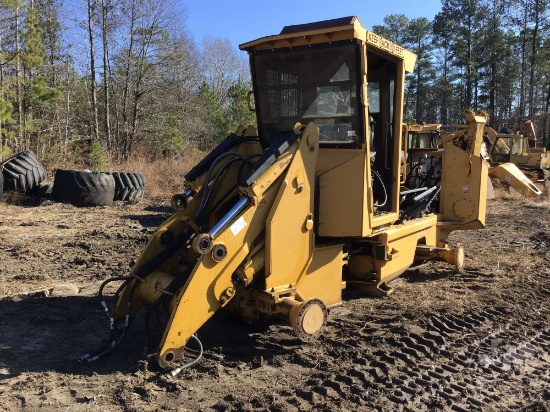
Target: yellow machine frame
column 306, row 221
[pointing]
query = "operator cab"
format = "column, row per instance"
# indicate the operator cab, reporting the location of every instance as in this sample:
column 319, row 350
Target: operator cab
column 510, row 149
column 350, row 83
column 310, row 83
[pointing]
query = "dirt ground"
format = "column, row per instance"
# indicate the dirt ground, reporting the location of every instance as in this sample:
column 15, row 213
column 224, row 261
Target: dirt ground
column 442, row 341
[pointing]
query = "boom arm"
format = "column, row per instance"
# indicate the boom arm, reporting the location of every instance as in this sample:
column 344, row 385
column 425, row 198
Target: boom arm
column 276, row 195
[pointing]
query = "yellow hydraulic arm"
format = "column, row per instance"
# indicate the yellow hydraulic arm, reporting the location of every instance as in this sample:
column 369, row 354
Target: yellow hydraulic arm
column 511, row 175
column 211, row 284
column 273, row 207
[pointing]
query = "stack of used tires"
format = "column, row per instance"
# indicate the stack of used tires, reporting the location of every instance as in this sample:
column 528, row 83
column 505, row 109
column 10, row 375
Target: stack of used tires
column 24, row 173
column 83, row 188
column 128, row 186
column 96, row 188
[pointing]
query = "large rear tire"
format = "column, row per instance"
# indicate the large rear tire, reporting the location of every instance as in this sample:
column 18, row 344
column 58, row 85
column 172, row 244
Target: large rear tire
column 83, row 188
column 23, row 172
column 129, row 186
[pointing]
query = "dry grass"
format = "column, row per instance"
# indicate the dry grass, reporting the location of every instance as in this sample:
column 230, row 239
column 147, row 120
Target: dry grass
column 163, row 177
column 503, row 192
column 542, row 202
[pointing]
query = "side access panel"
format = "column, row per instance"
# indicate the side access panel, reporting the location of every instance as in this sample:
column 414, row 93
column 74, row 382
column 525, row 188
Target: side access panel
column 323, row 278
column 343, row 199
column 463, row 186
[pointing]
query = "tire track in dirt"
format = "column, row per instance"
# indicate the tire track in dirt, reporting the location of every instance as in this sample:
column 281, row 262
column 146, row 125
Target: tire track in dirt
column 461, row 362
column 444, row 341
column 448, row 366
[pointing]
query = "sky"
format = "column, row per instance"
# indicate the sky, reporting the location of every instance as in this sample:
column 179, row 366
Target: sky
column 241, row 21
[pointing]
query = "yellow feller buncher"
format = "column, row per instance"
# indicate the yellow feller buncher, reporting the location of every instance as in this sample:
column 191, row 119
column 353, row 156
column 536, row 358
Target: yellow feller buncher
column 514, row 148
column 278, row 219
column 508, row 156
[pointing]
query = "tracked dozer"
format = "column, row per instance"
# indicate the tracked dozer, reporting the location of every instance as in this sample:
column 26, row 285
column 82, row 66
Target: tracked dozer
column 279, row 218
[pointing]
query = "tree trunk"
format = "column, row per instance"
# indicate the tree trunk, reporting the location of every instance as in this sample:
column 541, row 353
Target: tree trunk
column 521, row 113
column 126, row 90
column 533, row 61
column 106, row 75
column 1, row 97
column 137, row 96
column 95, row 122
column 492, row 94
column 445, row 105
column 19, row 83
column 67, row 114
column 417, row 103
column 545, row 133
column 27, row 111
column 469, row 69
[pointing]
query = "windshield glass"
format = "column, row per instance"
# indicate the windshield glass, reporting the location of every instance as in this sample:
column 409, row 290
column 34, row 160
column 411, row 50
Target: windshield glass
column 317, row 83
column 511, row 145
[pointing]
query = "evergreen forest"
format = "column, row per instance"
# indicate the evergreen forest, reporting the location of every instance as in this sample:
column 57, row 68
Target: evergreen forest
column 98, row 82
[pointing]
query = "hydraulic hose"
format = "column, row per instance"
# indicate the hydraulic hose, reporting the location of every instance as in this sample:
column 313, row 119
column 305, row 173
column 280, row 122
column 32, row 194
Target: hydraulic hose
column 208, row 195
column 207, row 181
column 113, row 279
column 375, row 173
column 178, row 370
column 114, row 342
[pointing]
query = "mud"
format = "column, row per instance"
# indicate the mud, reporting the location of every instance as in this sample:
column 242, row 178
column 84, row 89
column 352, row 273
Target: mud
column 479, row 340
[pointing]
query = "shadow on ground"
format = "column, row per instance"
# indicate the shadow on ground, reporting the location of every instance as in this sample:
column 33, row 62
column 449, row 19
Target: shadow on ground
column 148, row 221
column 42, row 334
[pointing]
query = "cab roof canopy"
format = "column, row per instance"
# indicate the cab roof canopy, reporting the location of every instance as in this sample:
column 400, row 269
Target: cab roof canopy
column 343, row 28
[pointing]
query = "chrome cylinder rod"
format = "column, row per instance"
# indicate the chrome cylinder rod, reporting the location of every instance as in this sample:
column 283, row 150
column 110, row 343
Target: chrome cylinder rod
column 224, row 221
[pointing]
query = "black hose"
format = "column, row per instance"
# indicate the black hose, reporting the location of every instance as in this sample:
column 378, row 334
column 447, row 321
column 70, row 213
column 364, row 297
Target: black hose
column 207, row 181
column 241, row 168
column 208, row 195
column 235, row 186
column 113, row 279
column 114, row 342
column 229, row 143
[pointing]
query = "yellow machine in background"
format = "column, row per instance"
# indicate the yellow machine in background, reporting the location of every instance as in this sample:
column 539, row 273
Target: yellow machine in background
column 509, row 158
column 278, row 219
column 515, row 148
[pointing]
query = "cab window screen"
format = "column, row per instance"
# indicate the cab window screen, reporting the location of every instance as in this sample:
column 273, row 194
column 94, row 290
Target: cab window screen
column 317, row 84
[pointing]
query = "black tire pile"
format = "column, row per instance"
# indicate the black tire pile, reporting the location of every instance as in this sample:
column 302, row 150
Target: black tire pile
column 83, row 188
column 128, row 186
column 24, row 173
